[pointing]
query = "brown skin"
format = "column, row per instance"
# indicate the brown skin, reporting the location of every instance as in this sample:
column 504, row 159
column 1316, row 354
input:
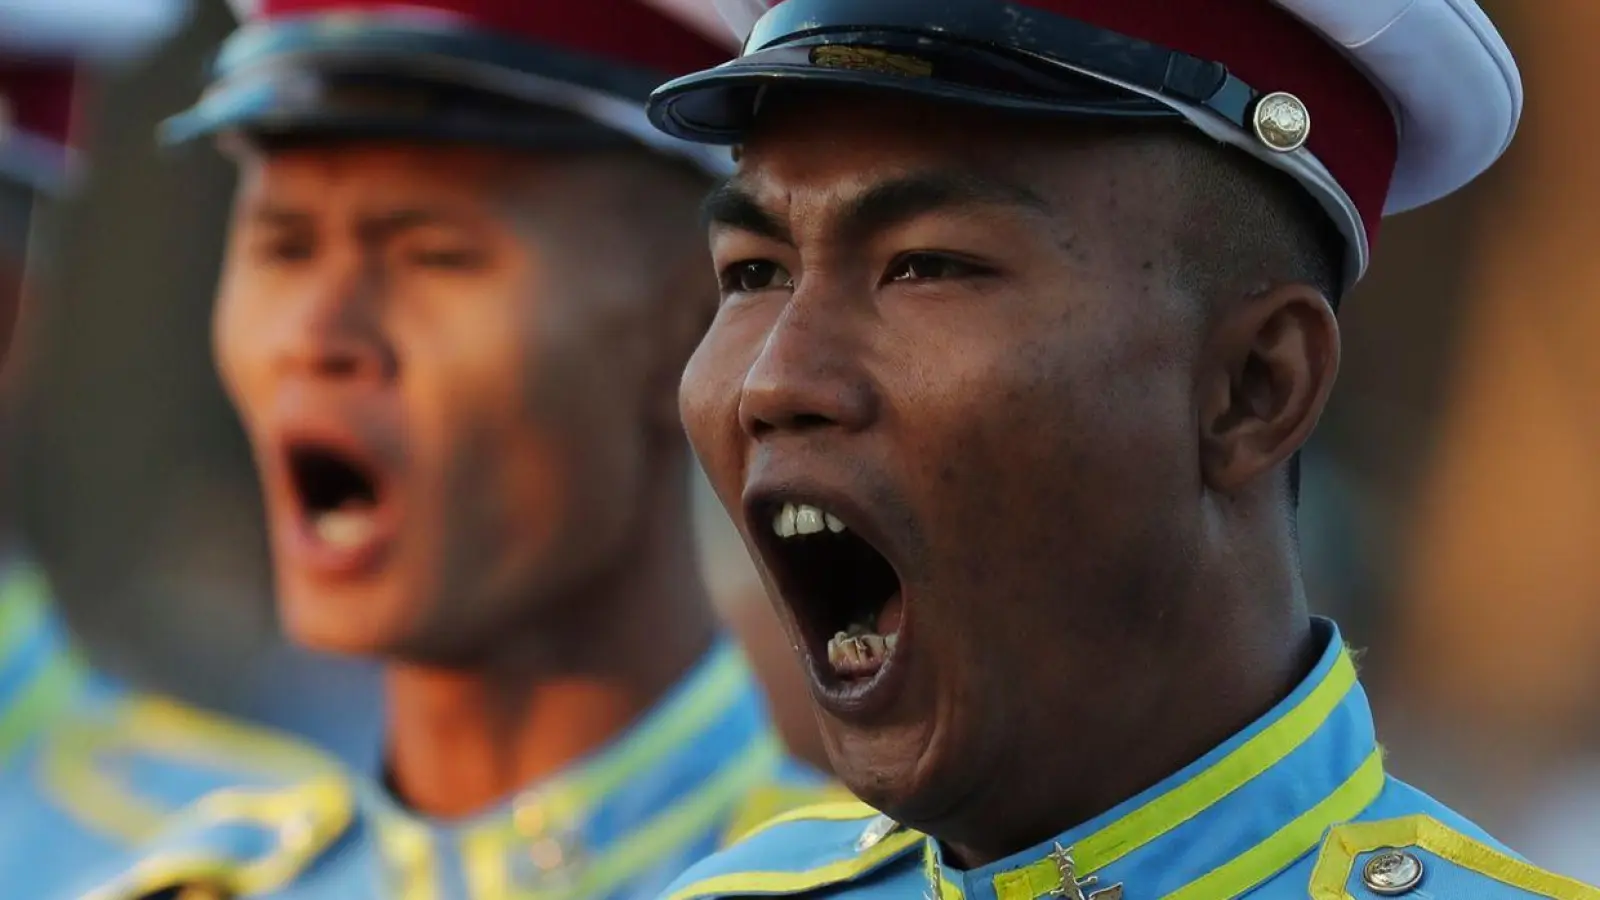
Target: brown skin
column 500, row 334
column 1075, row 465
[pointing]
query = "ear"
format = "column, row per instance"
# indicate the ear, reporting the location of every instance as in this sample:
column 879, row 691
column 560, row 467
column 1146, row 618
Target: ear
column 1270, row 366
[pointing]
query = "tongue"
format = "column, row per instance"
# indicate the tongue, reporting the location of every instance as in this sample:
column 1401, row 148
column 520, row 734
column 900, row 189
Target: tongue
column 889, row 616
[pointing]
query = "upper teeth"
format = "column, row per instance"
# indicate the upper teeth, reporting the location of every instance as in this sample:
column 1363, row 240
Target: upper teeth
column 803, row 518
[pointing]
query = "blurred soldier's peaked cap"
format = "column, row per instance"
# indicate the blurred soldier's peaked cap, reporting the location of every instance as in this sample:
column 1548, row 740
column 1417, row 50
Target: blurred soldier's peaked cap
column 44, row 48
column 1374, row 106
column 541, row 74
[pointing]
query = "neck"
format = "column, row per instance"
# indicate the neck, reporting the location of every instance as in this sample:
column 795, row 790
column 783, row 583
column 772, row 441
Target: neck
column 1237, row 641
column 464, row 739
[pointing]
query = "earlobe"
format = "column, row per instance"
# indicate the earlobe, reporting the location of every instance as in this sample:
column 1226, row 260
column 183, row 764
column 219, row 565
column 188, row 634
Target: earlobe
column 1272, row 363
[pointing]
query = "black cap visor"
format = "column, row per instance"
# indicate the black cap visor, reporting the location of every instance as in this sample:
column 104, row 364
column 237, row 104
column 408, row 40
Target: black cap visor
column 997, row 55
column 410, row 76
column 341, row 98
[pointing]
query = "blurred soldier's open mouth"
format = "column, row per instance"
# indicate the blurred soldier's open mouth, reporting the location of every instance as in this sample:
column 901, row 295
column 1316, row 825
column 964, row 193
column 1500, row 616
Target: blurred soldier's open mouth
column 843, row 592
column 345, row 519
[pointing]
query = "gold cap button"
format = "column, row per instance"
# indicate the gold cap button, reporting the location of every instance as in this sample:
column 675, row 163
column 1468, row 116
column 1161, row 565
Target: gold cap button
column 1282, row 122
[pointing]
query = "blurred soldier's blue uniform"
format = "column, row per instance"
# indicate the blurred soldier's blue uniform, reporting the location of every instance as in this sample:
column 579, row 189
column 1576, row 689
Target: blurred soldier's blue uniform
column 704, row 764
column 697, row 771
column 87, row 767
column 1297, row 803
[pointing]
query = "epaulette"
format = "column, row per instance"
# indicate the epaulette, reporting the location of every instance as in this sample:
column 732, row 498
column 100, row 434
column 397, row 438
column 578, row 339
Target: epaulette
column 237, row 842
column 181, row 753
column 802, row 850
column 1421, row 855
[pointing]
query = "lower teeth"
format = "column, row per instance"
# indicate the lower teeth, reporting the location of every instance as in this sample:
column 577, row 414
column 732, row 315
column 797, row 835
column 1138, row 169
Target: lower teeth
column 859, row 651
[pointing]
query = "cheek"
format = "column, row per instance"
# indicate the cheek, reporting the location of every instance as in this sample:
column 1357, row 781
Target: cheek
column 240, row 352
column 708, row 399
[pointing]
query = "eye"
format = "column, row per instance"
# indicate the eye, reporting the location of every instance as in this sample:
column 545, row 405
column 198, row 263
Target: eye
column 924, row 266
column 285, row 248
column 753, row 275
column 450, row 258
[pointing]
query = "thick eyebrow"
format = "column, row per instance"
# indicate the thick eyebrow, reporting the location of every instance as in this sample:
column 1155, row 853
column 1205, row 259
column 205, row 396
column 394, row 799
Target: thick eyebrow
column 897, row 201
column 371, row 228
column 878, row 208
column 732, row 206
column 274, row 216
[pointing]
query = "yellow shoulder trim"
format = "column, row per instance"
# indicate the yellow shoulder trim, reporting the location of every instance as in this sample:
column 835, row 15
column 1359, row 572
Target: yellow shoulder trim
column 740, row 884
column 79, row 768
column 1348, row 841
column 772, row 804
column 307, row 820
column 842, row 811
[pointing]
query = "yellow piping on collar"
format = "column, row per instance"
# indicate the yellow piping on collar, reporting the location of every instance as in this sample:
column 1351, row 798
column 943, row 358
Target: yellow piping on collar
column 1292, row 841
column 486, row 851
column 1167, row 811
column 712, row 693
column 47, row 693
column 22, row 606
column 1346, row 842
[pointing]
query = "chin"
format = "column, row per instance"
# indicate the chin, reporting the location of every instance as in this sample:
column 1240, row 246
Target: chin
column 342, row 622
column 894, row 769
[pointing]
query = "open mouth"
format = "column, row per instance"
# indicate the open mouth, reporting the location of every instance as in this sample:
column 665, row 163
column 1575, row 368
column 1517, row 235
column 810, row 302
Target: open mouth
column 843, row 592
column 340, row 496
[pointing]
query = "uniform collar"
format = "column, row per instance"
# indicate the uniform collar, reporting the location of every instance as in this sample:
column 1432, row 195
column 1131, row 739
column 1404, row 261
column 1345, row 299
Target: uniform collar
column 634, row 806
column 1223, row 824
column 39, row 675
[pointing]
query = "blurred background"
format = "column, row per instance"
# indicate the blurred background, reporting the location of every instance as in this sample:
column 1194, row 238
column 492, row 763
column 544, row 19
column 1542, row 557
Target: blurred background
column 1451, row 512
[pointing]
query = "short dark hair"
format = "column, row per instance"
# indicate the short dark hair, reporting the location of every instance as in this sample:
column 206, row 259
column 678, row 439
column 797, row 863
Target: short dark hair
column 1248, row 225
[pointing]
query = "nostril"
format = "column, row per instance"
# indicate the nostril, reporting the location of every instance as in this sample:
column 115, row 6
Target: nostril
column 796, row 422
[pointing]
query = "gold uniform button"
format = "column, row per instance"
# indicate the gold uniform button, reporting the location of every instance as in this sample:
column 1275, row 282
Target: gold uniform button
column 1392, row 872
column 1282, row 122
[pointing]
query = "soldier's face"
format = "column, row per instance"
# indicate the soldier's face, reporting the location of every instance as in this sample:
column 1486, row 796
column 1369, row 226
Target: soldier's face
column 950, row 400
column 441, row 357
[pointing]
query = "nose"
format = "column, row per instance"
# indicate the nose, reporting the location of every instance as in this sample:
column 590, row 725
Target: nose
column 337, row 332
column 810, row 374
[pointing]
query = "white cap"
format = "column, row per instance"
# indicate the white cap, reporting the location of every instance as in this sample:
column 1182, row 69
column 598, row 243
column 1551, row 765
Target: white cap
column 1418, row 98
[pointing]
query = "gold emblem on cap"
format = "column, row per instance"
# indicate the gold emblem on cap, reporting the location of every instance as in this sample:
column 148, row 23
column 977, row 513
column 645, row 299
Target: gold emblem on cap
column 870, row 59
column 1282, row 122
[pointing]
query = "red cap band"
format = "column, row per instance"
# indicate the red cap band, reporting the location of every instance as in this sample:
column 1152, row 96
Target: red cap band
column 1353, row 131
column 623, row 31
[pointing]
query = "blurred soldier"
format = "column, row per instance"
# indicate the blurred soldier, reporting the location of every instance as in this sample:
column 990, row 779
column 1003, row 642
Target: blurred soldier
column 86, row 767
column 463, row 279
column 1033, row 304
